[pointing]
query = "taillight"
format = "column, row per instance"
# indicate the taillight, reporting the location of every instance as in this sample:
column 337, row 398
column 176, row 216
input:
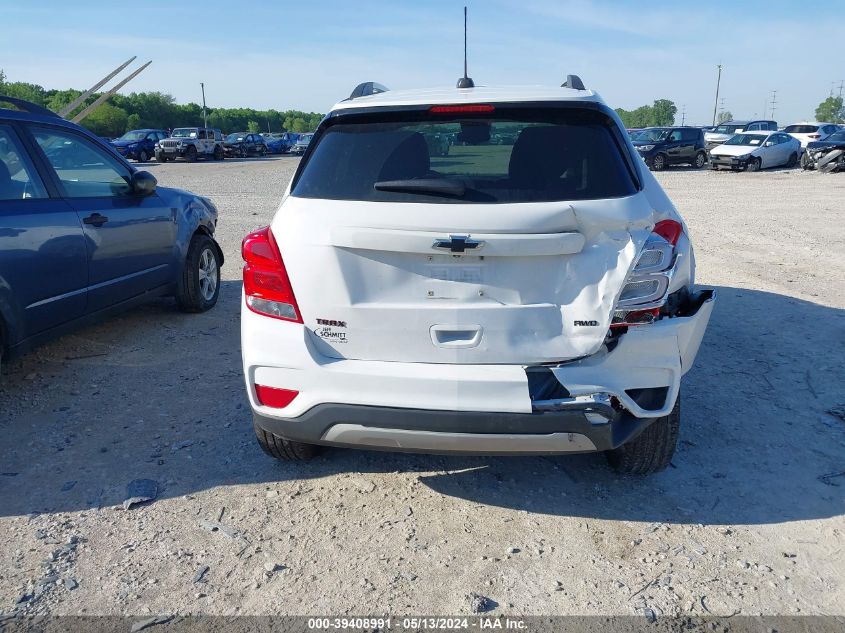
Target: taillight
column 274, row 397
column 266, row 284
column 647, row 286
column 669, row 230
column 472, row 108
column 814, row 135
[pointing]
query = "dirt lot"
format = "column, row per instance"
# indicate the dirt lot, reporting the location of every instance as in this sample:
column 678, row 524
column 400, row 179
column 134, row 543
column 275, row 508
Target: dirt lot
column 745, row 521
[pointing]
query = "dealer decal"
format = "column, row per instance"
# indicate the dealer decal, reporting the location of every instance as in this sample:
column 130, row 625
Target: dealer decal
column 329, row 331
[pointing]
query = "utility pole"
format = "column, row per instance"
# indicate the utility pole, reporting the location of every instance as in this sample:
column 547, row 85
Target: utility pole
column 841, row 81
column 684, row 115
column 718, row 81
column 774, row 102
column 204, row 120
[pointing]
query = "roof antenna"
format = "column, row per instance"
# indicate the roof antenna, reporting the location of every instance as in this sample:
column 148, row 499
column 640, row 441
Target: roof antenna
column 465, row 82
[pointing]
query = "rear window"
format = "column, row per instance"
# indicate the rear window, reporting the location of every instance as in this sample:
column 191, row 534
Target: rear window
column 511, row 155
column 800, row 129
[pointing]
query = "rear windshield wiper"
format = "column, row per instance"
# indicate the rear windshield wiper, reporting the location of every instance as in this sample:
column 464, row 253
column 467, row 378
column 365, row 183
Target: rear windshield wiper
column 440, row 186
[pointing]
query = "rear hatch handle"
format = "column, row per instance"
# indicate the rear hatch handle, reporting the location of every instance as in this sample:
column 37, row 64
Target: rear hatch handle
column 456, row 336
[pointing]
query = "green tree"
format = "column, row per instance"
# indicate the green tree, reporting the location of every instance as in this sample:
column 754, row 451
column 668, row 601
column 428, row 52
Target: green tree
column 252, row 126
column 133, row 121
column 663, row 112
column 106, row 120
column 831, row 110
column 724, row 115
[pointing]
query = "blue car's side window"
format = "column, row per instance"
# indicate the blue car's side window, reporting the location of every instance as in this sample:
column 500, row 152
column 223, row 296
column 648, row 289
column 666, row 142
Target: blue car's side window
column 18, row 179
column 85, row 170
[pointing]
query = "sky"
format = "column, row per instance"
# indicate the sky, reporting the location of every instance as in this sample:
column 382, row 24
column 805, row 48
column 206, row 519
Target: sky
column 284, row 55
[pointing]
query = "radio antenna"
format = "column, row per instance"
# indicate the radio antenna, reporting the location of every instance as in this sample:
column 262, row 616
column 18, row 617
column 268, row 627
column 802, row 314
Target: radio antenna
column 465, row 82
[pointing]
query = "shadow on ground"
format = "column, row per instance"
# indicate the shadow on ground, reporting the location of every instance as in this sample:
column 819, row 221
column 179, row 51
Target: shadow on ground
column 159, row 394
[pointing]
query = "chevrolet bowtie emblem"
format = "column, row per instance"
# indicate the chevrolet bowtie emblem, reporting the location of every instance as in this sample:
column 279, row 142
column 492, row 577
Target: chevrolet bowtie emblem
column 457, row 244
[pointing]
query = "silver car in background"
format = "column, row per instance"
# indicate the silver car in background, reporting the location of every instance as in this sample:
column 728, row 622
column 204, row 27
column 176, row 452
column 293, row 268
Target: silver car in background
column 724, row 131
column 752, row 151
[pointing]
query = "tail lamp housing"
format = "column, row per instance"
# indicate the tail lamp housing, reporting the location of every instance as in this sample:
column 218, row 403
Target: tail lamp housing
column 267, row 288
column 647, row 286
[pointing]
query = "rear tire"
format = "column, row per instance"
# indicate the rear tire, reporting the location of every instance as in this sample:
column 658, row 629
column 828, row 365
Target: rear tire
column 283, row 449
column 161, row 158
column 191, row 154
column 199, row 285
column 700, row 160
column 658, row 163
column 793, row 160
column 218, row 152
column 143, row 157
column 652, row 450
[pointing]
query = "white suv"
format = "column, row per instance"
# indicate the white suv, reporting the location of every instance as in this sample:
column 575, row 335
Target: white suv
column 527, row 296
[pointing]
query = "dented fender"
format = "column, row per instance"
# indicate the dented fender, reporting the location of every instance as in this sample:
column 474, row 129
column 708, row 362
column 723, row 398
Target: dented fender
column 649, row 356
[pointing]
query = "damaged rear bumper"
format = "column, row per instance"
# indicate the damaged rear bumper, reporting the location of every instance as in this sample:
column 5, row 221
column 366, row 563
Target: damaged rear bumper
column 593, row 404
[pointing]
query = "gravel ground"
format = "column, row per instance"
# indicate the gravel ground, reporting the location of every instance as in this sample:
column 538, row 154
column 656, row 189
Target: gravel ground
column 744, row 521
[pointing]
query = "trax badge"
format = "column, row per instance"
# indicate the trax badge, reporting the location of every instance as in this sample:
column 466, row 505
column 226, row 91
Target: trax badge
column 331, row 322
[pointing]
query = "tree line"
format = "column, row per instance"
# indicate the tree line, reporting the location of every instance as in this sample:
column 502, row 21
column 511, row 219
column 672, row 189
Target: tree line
column 121, row 113
column 661, row 113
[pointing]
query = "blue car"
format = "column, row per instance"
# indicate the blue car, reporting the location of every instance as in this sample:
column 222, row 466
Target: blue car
column 84, row 234
column 282, row 142
column 139, row 144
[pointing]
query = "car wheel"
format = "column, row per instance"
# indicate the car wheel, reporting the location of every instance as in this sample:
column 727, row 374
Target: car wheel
column 652, row 450
column 218, row 153
column 143, row 157
column 700, row 160
column 805, row 161
column 754, row 164
column 161, row 158
column 284, row 449
column 658, row 163
column 199, row 285
column 262, row 151
column 793, row 160
column 191, row 154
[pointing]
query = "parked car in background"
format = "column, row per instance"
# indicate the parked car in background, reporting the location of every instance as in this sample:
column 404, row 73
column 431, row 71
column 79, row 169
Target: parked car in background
column 563, row 323
column 88, row 235
column 280, row 143
column 752, row 151
column 811, row 131
column 191, row 143
column 243, row 144
column 827, row 155
column 301, row 144
column 438, row 144
column 660, row 147
column 139, row 145
column 726, row 130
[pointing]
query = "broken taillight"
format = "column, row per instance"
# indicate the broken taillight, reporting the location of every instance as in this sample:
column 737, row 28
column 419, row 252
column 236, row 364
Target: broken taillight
column 646, row 288
column 267, row 288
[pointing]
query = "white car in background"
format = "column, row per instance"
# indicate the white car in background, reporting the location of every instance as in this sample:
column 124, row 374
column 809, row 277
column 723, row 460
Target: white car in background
column 530, row 297
column 752, row 151
column 811, row 131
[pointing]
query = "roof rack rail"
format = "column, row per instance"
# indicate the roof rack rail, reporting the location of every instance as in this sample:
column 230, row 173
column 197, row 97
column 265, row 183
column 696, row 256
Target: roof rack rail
column 28, row 106
column 366, row 89
column 574, row 82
